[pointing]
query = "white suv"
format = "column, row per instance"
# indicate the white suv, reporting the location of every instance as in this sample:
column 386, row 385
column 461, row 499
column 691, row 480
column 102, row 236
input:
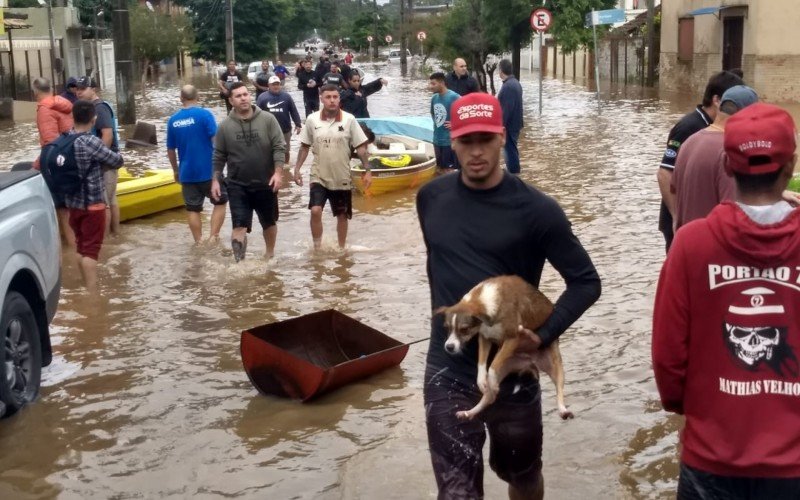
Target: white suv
column 30, row 285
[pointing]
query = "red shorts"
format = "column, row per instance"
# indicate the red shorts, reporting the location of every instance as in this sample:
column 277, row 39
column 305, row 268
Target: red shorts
column 89, row 227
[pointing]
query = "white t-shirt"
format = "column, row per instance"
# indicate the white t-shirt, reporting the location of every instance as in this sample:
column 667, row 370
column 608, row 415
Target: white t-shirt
column 331, row 142
column 767, row 214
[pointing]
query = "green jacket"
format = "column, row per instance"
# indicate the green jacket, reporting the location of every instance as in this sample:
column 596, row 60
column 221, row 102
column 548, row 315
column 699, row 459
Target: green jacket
column 251, row 148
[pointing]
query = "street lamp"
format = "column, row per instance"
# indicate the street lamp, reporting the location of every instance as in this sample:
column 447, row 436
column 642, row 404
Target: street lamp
column 49, row 5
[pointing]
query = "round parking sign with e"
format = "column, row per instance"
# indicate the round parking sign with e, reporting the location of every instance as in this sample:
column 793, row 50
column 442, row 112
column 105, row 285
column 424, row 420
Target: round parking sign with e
column 388, row 38
column 369, row 38
column 421, row 36
column 541, row 19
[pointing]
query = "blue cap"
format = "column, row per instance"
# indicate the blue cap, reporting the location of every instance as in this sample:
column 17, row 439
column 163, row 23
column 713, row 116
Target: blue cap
column 72, row 82
column 740, row 95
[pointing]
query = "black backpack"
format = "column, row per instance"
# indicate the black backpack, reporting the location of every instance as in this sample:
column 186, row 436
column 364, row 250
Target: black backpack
column 58, row 165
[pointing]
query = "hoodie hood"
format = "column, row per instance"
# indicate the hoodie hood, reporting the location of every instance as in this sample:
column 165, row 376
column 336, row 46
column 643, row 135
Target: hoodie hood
column 56, row 103
column 234, row 116
column 755, row 244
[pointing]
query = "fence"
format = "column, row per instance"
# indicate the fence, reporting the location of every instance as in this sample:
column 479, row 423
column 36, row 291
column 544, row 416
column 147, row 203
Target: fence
column 30, row 59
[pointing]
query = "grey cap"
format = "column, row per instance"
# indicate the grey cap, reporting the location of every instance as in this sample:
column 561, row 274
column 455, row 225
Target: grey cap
column 740, row 95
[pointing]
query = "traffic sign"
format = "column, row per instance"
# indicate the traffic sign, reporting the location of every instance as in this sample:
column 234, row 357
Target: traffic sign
column 541, row 19
column 421, row 36
column 369, row 38
column 388, row 38
column 600, row 17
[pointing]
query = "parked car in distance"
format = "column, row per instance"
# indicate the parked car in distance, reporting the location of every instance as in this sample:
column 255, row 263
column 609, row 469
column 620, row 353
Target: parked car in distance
column 394, row 55
column 30, row 285
column 255, row 68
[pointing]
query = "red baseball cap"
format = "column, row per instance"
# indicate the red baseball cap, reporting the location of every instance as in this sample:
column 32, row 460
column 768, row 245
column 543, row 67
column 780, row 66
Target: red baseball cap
column 476, row 112
column 759, row 139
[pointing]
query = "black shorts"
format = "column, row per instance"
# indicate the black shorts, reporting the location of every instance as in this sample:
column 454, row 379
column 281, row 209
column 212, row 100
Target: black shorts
column 514, row 426
column 58, row 200
column 244, row 200
column 445, row 157
column 695, row 484
column 195, row 193
column 341, row 199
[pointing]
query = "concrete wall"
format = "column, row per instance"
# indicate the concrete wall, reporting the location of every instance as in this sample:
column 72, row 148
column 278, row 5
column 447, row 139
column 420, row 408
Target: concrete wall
column 66, row 29
column 771, row 50
column 635, row 53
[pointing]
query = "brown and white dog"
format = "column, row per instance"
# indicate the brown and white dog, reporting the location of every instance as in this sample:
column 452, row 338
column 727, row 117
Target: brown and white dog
column 499, row 310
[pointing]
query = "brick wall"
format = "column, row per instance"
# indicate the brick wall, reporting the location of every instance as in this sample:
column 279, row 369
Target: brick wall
column 687, row 77
column 775, row 78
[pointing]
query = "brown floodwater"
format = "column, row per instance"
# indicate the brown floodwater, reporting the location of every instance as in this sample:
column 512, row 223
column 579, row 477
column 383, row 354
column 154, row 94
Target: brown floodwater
column 147, row 398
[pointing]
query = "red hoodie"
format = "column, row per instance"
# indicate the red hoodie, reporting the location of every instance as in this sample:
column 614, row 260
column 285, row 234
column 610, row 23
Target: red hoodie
column 726, row 343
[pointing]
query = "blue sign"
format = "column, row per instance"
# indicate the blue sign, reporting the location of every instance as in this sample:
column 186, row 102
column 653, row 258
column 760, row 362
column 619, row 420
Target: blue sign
column 611, row 16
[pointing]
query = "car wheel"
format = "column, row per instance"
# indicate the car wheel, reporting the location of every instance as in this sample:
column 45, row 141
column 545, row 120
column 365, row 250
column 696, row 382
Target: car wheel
column 20, row 354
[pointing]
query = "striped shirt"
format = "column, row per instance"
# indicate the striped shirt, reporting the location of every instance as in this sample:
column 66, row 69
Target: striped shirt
column 90, row 154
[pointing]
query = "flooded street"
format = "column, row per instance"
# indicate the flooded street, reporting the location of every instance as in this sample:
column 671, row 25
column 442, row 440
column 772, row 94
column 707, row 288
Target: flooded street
column 147, row 397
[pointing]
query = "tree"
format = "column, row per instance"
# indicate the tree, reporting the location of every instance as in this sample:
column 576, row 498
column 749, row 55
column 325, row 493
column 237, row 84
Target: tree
column 466, row 35
column 156, row 36
column 477, row 28
column 568, row 22
column 364, row 25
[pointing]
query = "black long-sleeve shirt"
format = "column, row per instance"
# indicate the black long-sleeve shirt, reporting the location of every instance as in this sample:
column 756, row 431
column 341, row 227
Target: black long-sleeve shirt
column 462, row 85
column 512, row 228
column 357, row 104
column 303, row 77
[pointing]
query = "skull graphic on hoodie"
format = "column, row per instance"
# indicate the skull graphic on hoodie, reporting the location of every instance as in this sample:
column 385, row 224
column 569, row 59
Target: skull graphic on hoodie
column 755, row 330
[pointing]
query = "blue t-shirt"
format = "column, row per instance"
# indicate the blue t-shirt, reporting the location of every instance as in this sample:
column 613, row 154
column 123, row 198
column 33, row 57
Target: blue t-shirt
column 191, row 131
column 440, row 111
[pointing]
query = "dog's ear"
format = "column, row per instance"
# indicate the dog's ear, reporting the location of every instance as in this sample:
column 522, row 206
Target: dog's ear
column 441, row 310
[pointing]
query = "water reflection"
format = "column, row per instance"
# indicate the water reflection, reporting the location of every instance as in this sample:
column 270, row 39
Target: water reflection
column 147, row 395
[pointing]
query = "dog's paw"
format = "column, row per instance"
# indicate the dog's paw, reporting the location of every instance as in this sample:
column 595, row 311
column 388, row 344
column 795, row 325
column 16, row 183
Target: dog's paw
column 566, row 414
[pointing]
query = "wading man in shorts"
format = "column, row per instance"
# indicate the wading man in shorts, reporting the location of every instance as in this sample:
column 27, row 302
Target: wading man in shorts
column 190, row 138
column 331, row 134
column 478, row 223
column 105, row 127
column 87, row 208
column 250, row 142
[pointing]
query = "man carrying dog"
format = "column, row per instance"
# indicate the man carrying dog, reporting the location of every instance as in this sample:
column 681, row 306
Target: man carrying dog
column 726, row 324
column 466, row 222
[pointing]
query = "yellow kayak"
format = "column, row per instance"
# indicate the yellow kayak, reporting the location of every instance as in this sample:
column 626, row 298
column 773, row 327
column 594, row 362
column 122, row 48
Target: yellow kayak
column 153, row 192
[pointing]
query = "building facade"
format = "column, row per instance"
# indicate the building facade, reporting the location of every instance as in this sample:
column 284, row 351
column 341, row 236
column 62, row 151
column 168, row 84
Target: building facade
column 701, row 37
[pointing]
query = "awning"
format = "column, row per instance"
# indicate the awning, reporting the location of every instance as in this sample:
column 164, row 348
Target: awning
column 705, row 10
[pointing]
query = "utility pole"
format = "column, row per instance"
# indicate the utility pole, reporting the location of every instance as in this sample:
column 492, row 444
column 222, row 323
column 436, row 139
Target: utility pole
column 123, row 59
column 651, row 46
column 230, row 54
column 53, row 60
column 375, row 34
column 403, row 40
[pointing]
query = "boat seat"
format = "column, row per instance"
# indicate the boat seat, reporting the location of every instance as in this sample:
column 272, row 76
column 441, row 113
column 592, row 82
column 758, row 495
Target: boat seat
column 396, row 148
